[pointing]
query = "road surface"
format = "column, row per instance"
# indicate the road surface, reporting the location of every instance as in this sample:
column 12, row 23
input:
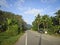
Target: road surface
column 35, row 38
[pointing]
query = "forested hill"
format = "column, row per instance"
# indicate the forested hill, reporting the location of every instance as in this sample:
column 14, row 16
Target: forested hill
column 28, row 26
column 10, row 20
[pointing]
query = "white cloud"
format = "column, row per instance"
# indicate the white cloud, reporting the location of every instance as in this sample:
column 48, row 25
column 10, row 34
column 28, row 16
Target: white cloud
column 48, row 1
column 58, row 8
column 4, row 3
column 29, row 20
column 22, row 0
column 19, row 3
column 33, row 11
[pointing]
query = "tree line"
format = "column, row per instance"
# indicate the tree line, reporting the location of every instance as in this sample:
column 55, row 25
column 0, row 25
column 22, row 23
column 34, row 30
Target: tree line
column 11, row 23
column 47, row 23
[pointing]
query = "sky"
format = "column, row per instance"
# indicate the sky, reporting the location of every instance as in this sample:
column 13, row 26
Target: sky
column 29, row 9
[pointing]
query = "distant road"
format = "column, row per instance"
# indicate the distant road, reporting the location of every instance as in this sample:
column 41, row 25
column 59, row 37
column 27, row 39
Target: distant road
column 35, row 38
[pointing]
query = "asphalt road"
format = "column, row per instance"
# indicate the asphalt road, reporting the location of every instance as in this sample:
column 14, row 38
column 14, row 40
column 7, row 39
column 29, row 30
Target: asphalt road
column 35, row 38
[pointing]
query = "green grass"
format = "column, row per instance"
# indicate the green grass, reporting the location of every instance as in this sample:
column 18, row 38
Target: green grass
column 6, row 40
column 56, row 35
column 10, row 36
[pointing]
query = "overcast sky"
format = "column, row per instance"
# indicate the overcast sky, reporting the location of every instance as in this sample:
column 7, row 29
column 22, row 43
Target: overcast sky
column 30, row 8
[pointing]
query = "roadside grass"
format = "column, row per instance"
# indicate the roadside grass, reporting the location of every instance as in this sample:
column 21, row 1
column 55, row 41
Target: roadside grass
column 9, row 40
column 56, row 35
column 50, row 33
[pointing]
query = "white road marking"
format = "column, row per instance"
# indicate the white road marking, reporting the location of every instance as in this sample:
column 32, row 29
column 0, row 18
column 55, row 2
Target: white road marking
column 26, row 40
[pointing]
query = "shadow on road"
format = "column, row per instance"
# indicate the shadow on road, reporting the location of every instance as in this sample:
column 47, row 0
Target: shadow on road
column 40, row 39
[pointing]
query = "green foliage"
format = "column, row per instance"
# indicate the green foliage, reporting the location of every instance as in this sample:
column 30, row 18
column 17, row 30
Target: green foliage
column 51, row 24
column 4, row 40
column 13, row 30
column 36, row 22
column 35, row 27
column 8, row 20
column 10, row 26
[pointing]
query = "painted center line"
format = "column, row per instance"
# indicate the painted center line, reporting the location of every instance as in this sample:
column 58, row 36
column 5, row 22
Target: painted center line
column 26, row 40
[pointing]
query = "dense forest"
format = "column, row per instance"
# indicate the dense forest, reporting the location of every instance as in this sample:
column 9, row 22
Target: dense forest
column 51, row 24
column 9, row 20
column 11, row 25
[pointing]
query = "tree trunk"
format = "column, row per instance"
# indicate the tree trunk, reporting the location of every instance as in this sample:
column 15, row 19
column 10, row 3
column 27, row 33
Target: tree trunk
column 59, row 21
column 44, row 26
column 38, row 26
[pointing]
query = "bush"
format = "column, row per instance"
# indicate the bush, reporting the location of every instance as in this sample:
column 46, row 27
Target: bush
column 13, row 30
column 10, row 41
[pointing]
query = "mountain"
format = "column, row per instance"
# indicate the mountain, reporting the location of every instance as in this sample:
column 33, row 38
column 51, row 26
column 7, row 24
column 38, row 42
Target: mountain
column 28, row 26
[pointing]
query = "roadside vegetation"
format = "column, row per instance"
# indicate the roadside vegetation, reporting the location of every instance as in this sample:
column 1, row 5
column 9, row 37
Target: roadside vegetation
column 51, row 24
column 11, row 27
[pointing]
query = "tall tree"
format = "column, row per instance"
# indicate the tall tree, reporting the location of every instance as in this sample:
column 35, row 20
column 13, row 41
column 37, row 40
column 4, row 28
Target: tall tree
column 45, row 20
column 37, row 22
column 58, row 15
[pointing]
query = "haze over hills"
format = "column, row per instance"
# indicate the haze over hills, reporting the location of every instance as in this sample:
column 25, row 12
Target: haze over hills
column 28, row 26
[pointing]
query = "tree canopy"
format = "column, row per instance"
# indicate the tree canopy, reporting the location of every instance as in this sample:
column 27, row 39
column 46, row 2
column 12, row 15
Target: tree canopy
column 48, row 23
column 9, row 20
